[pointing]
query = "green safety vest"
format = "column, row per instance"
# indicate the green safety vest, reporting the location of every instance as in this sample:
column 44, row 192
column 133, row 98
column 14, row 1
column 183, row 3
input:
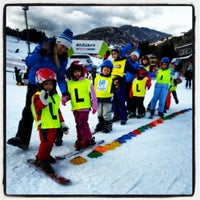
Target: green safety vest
column 118, row 67
column 172, row 86
column 103, row 86
column 80, row 94
column 163, row 76
column 139, row 87
column 50, row 115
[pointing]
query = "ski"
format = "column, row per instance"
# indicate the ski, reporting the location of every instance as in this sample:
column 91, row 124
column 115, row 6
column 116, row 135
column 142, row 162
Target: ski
column 77, row 152
column 94, row 132
column 57, row 178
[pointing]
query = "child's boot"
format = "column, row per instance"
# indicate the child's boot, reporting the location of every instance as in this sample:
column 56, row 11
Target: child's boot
column 151, row 113
column 100, row 124
column 161, row 114
column 45, row 165
column 107, row 126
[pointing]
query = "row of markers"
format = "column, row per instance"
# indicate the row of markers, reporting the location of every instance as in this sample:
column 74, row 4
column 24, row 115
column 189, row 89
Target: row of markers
column 100, row 150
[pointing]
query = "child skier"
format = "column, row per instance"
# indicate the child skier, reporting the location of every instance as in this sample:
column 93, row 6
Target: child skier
column 138, row 91
column 161, row 87
column 120, row 67
column 175, row 80
column 146, row 63
column 105, row 85
column 83, row 98
column 46, row 113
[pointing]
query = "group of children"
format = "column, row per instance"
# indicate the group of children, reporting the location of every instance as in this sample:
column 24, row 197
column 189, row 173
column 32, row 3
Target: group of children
column 107, row 96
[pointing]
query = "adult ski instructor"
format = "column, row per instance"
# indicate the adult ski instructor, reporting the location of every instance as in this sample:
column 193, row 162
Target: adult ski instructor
column 52, row 54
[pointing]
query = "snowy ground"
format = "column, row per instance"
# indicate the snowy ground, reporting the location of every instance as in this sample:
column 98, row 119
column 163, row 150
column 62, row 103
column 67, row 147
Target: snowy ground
column 160, row 161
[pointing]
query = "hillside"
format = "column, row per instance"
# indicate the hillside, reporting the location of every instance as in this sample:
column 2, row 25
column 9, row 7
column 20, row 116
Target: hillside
column 122, row 35
column 186, row 38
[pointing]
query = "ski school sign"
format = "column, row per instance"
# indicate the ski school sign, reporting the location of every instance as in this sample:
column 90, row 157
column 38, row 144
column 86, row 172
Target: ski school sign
column 98, row 47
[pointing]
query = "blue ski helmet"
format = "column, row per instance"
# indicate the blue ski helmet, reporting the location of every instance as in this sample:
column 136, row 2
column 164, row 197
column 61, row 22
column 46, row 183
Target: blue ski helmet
column 107, row 63
column 165, row 60
column 117, row 49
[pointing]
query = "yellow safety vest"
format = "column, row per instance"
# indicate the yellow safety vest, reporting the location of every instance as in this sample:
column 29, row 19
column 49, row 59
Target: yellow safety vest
column 102, row 86
column 147, row 68
column 80, row 94
column 139, row 87
column 163, row 76
column 49, row 116
column 172, row 86
column 118, row 67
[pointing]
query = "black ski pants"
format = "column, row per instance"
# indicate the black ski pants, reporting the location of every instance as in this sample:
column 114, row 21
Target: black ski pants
column 26, row 123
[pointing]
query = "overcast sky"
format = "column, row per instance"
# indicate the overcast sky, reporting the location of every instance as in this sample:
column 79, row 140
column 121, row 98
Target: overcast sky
column 80, row 19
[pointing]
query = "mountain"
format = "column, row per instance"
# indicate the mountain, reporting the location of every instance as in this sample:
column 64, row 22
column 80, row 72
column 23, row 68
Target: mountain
column 122, row 35
column 186, row 38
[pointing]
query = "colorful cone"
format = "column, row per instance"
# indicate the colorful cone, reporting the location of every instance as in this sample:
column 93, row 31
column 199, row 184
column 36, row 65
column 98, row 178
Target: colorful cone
column 78, row 160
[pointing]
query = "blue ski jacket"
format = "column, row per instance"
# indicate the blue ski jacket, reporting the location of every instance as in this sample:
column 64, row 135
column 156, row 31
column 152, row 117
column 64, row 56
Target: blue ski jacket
column 135, row 65
column 36, row 61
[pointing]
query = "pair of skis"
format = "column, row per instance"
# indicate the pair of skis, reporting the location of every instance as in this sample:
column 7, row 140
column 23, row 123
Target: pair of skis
column 76, row 152
column 58, row 178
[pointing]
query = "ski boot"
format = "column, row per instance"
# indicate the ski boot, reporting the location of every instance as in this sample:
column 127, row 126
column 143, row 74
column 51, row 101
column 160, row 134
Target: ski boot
column 44, row 165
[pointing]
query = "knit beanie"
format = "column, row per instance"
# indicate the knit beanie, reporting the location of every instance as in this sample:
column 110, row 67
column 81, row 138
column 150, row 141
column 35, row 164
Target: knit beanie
column 65, row 38
column 136, row 52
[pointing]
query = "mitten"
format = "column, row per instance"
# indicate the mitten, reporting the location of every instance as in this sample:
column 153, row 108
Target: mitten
column 94, row 111
column 64, row 100
column 64, row 128
column 44, row 97
column 45, row 49
column 94, row 107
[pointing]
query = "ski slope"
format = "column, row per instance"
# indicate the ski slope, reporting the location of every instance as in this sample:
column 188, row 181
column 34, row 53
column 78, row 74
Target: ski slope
column 159, row 161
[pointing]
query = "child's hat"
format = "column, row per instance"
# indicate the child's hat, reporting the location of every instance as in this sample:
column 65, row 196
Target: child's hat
column 76, row 64
column 145, row 57
column 165, row 60
column 65, row 38
column 136, row 52
column 45, row 74
column 174, row 61
column 106, row 63
column 117, row 49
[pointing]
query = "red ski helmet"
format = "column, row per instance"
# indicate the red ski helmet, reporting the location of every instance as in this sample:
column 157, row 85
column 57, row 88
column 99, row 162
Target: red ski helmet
column 45, row 74
column 78, row 65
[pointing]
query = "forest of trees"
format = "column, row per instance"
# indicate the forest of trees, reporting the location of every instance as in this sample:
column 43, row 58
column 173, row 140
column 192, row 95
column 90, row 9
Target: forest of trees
column 34, row 35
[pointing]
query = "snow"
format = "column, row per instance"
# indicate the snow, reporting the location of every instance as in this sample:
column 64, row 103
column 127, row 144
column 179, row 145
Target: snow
column 160, row 161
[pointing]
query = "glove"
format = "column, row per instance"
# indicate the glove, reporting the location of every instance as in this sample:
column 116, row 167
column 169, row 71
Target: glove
column 94, row 111
column 45, row 49
column 44, row 97
column 116, row 83
column 64, row 100
column 64, row 128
